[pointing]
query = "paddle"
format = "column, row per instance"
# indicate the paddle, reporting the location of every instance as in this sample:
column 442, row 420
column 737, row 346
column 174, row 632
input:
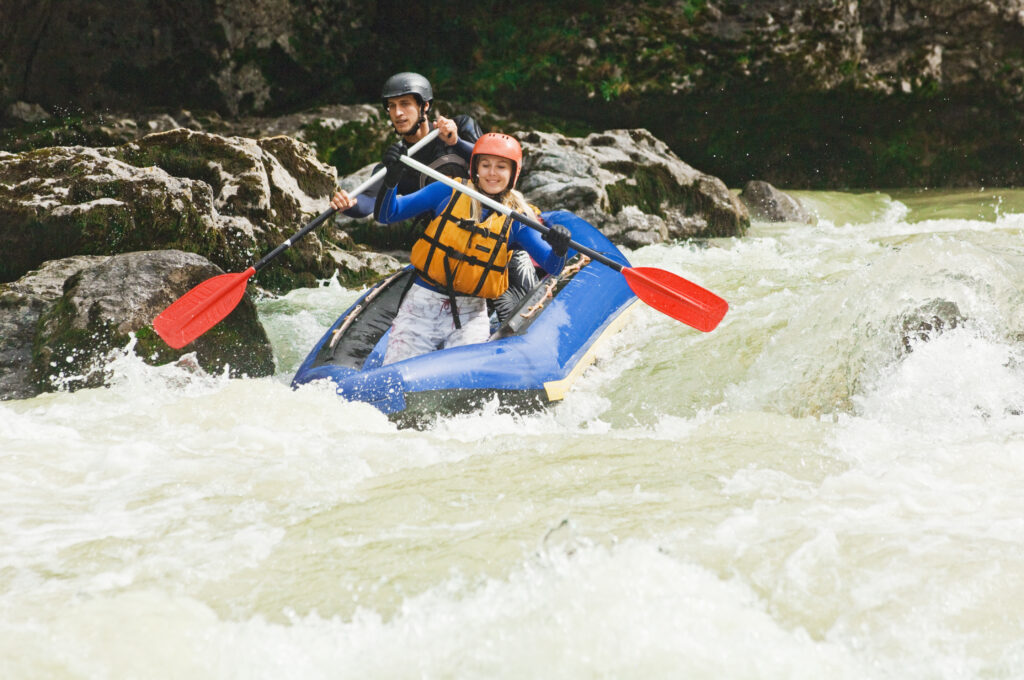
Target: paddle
column 675, row 296
column 203, row 307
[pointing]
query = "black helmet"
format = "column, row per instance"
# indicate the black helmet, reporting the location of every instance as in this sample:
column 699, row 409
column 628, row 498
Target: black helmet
column 407, row 83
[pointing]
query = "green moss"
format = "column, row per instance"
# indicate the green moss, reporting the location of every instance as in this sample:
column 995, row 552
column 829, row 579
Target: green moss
column 348, row 147
column 186, row 155
column 77, row 355
column 67, row 351
column 653, row 189
column 237, row 341
column 280, row 278
column 693, row 8
column 141, row 223
column 71, row 130
column 152, row 348
column 648, row 188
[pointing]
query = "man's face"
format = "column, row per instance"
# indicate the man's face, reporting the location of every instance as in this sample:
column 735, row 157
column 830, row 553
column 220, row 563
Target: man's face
column 404, row 112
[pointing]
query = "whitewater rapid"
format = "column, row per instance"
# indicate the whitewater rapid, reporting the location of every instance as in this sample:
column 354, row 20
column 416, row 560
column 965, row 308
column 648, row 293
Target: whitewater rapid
column 810, row 490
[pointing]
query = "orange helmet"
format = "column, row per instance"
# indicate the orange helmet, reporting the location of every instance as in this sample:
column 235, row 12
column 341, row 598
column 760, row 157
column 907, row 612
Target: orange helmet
column 497, row 144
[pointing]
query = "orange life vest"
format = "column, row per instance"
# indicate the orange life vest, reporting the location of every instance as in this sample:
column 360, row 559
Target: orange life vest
column 457, row 254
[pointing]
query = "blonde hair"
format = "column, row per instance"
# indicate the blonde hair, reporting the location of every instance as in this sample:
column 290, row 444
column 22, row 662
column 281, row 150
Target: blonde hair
column 512, row 199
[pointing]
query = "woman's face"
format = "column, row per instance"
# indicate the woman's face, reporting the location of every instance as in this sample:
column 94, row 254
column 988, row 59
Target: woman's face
column 493, row 173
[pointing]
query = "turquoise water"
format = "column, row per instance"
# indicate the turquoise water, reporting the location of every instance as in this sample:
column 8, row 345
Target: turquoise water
column 805, row 491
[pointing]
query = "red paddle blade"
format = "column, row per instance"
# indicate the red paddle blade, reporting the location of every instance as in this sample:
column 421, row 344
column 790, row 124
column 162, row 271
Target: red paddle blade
column 681, row 299
column 200, row 309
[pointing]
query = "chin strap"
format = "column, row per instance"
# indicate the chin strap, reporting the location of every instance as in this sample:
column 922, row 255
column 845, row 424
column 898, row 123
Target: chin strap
column 422, row 119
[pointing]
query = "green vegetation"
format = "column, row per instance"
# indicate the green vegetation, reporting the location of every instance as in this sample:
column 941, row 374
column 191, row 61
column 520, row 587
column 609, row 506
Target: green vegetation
column 738, row 109
column 351, row 146
column 290, row 270
column 692, row 8
column 647, row 189
column 587, row 65
column 654, row 190
column 69, row 130
column 182, row 154
column 582, row 48
column 63, row 351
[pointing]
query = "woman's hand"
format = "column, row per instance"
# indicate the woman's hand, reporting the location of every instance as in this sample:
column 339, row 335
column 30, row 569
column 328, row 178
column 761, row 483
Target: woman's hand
column 558, row 238
column 341, row 201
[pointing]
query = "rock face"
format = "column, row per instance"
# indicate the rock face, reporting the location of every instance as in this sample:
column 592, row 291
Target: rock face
column 33, row 127
column 773, row 89
column 234, row 55
column 768, row 204
column 241, row 56
column 884, row 45
column 628, row 184
column 66, row 201
column 231, row 199
column 61, row 322
column 927, row 322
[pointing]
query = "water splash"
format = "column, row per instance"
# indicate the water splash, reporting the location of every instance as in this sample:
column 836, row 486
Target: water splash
column 823, row 485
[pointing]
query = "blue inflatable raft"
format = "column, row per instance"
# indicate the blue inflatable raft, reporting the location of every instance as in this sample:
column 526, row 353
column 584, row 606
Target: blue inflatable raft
column 530, row 361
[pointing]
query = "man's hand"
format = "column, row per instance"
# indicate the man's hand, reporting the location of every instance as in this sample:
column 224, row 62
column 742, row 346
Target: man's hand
column 449, row 130
column 392, row 161
column 341, row 201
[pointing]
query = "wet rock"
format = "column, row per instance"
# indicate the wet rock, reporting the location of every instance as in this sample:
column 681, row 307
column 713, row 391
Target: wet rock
column 61, row 322
column 768, row 204
column 65, row 201
column 231, row 199
column 296, row 125
column 926, row 322
column 628, row 184
column 22, row 302
column 27, row 112
column 29, row 126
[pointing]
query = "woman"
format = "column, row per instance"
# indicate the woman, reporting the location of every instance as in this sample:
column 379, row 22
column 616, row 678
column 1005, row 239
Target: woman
column 462, row 257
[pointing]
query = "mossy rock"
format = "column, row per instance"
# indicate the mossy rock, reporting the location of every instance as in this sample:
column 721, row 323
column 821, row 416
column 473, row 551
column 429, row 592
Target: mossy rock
column 103, row 305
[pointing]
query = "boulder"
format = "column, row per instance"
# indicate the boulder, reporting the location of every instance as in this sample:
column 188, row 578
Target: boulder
column 22, row 302
column 62, row 322
column 926, row 322
column 768, row 204
column 230, row 199
column 26, row 112
column 628, row 184
column 65, row 201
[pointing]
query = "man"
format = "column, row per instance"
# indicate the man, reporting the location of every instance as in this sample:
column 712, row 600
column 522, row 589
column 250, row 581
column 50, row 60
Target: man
column 408, row 98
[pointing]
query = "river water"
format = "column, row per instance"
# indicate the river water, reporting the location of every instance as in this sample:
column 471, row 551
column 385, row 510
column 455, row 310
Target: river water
column 808, row 491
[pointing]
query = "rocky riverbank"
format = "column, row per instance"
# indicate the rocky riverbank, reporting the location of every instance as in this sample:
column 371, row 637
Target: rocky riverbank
column 98, row 240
